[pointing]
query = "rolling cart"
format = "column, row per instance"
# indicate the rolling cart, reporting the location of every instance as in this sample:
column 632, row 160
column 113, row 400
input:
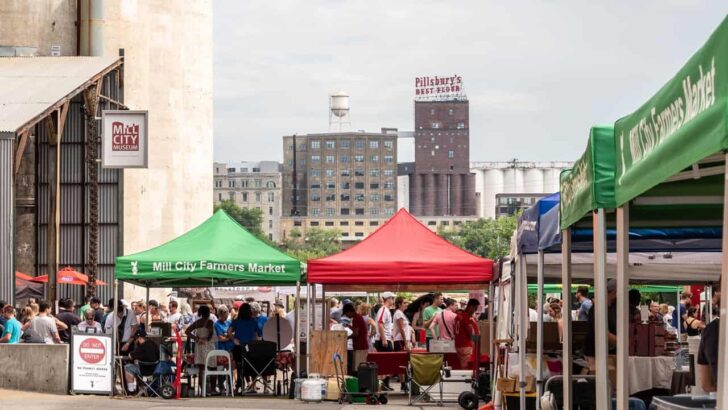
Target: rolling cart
column 347, row 396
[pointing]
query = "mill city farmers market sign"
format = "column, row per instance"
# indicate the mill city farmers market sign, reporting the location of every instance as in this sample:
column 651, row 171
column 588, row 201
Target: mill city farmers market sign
column 682, row 124
column 192, row 267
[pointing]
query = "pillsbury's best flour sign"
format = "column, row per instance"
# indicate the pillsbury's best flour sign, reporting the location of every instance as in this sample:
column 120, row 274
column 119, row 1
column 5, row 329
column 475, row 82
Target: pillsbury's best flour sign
column 124, row 139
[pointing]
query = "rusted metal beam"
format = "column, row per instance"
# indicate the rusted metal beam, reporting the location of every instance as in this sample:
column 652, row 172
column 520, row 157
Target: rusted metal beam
column 55, row 135
column 60, row 103
column 22, row 143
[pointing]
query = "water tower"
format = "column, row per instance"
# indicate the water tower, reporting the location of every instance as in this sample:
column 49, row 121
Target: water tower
column 339, row 109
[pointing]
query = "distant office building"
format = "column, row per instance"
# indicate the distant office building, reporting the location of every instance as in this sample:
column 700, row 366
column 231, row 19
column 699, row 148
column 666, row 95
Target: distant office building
column 345, row 180
column 252, row 185
column 504, row 188
column 441, row 183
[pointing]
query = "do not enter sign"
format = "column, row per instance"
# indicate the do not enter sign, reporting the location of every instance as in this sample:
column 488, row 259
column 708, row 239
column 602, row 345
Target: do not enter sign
column 92, row 350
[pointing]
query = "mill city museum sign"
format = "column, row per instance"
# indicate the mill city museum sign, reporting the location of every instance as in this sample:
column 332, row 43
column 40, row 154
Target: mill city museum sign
column 435, row 87
column 124, row 139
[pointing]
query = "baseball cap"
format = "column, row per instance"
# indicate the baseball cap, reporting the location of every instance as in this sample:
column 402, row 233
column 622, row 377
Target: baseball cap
column 278, row 302
column 237, row 304
column 347, row 302
column 387, row 295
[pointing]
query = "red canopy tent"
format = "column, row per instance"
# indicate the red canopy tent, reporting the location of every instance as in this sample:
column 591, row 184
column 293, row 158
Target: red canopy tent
column 403, row 254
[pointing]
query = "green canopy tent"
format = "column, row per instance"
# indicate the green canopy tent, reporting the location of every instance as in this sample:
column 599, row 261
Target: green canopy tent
column 671, row 157
column 557, row 288
column 218, row 252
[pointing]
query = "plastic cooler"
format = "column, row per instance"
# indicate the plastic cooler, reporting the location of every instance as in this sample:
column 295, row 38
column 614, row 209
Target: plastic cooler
column 352, row 385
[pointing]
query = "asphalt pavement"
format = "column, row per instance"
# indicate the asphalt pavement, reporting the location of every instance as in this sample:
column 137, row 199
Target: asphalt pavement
column 19, row 400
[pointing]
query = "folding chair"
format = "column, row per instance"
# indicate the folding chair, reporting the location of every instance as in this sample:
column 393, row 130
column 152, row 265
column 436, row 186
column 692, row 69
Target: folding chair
column 227, row 371
column 148, row 382
column 424, row 372
column 259, row 362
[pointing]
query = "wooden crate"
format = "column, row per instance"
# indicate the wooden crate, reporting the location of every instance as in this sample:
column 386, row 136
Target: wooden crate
column 323, row 345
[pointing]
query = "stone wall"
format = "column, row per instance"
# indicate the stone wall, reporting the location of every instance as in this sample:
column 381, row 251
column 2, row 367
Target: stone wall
column 35, row 367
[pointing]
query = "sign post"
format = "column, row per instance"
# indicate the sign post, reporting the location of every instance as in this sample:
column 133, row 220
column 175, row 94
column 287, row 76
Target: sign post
column 124, row 139
column 91, row 363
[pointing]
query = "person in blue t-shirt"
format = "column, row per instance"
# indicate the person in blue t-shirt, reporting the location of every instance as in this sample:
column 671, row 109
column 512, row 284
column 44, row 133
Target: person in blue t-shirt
column 12, row 331
column 224, row 340
column 585, row 304
column 680, row 314
column 243, row 330
column 260, row 318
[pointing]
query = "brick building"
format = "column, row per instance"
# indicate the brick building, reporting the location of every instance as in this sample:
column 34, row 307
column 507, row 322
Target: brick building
column 346, row 181
column 440, row 184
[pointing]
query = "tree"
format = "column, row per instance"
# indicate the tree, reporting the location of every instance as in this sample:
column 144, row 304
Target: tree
column 250, row 219
column 489, row 238
column 316, row 244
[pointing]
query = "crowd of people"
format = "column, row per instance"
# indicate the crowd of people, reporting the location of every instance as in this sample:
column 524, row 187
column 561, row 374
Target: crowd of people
column 395, row 324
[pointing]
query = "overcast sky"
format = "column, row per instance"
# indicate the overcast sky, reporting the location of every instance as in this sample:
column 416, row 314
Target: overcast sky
column 538, row 74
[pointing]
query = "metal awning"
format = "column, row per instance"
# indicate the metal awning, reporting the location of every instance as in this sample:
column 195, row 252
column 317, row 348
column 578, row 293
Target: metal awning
column 32, row 87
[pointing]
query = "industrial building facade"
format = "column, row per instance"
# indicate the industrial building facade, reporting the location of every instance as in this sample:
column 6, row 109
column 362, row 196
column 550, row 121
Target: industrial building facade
column 343, row 180
column 63, row 209
column 173, row 83
column 252, row 185
column 440, row 184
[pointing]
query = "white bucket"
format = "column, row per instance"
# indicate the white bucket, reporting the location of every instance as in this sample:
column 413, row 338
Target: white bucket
column 312, row 390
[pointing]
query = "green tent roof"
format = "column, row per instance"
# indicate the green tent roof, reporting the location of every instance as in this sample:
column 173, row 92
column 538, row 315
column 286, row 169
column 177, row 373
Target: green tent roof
column 218, row 252
column 556, row 288
column 589, row 184
column 684, row 123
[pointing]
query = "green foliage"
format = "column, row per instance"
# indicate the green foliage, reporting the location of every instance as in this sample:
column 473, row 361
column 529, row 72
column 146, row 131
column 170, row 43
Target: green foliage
column 250, row 219
column 316, row 244
column 490, row 238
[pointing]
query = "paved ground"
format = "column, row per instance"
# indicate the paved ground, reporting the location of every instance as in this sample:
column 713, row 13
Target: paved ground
column 17, row 400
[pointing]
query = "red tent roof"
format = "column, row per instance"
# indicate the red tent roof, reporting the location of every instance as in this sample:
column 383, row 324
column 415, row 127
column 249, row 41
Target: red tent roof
column 402, row 254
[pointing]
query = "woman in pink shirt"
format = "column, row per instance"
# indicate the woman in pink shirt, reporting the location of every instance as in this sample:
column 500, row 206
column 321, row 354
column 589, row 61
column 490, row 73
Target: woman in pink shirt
column 445, row 320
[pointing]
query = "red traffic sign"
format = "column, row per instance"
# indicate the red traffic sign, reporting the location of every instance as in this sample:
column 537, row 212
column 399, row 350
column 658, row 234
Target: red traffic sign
column 92, row 350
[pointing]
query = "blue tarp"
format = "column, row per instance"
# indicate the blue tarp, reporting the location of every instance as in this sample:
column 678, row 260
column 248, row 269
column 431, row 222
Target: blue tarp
column 528, row 223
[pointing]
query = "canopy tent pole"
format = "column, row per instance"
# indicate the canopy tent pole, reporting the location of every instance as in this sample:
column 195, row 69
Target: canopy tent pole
column 566, row 321
column 539, row 330
column 147, row 326
column 114, row 333
column 623, row 313
column 679, row 321
column 491, row 325
column 324, row 309
column 601, row 349
column 297, row 327
column 722, row 382
column 709, row 302
column 523, row 329
column 308, row 326
column 313, row 307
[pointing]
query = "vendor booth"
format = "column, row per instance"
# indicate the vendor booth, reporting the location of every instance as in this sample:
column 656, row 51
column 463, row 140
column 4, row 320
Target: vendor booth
column 670, row 158
column 217, row 253
column 658, row 253
column 402, row 255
